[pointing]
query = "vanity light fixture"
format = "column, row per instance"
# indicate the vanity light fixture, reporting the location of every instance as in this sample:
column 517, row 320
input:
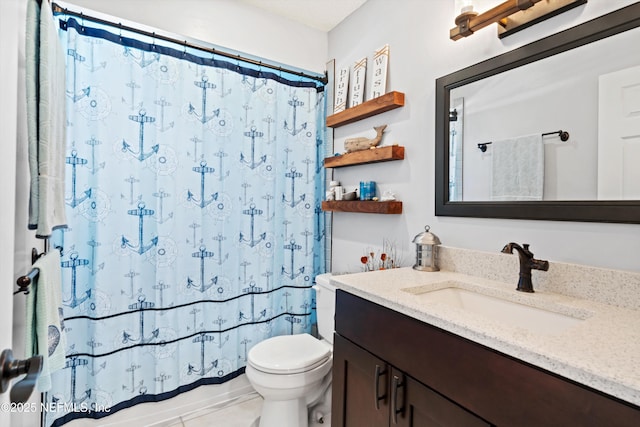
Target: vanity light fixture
column 511, row 16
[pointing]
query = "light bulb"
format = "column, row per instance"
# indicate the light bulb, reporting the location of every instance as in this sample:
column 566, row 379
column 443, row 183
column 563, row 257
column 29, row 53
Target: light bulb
column 465, row 6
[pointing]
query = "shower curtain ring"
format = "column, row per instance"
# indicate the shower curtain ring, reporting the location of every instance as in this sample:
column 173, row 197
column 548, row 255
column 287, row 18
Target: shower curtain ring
column 153, row 41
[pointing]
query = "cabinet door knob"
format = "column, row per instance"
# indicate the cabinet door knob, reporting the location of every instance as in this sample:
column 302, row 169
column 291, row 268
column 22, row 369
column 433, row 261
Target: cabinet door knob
column 396, row 383
column 379, row 372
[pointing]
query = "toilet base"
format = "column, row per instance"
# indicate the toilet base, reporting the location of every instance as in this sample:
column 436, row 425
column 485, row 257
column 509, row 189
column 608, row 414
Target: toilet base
column 320, row 411
column 284, row 413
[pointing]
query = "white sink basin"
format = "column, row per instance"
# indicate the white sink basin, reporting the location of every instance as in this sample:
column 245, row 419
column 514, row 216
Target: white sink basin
column 512, row 313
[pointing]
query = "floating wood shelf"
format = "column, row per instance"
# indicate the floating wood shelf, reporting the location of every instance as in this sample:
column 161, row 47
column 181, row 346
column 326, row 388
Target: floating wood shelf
column 363, row 206
column 386, row 102
column 375, row 155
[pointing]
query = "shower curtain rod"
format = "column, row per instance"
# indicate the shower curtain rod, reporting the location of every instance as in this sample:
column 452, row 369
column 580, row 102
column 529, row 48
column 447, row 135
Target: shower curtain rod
column 63, row 10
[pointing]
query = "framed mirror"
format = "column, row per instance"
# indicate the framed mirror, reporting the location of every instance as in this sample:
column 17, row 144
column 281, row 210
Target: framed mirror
column 578, row 81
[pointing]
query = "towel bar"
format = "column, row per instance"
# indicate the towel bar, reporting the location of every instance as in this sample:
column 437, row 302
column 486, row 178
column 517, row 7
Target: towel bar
column 24, row 282
column 563, row 134
column 483, row 146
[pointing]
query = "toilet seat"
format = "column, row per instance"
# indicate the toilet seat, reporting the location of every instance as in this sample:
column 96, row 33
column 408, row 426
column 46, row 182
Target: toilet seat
column 289, row 354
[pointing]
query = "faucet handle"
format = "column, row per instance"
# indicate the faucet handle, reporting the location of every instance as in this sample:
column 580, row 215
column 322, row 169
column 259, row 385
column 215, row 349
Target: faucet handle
column 525, row 246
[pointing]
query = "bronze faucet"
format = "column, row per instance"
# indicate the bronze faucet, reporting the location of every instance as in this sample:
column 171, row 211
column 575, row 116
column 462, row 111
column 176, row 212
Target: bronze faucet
column 527, row 263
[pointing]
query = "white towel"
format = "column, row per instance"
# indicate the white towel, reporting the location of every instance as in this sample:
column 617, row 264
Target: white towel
column 46, row 108
column 44, row 325
column 32, row 53
column 518, row 169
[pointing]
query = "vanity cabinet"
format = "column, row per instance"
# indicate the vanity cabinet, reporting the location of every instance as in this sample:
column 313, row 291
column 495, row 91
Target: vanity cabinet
column 439, row 378
column 360, row 387
column 370, row 392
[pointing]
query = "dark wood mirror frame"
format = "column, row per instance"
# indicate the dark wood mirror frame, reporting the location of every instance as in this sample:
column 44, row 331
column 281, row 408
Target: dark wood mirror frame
column 592, row 211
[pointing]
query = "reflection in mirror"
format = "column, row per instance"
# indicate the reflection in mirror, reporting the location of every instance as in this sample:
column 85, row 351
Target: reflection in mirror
column 559, row 92
column 456, row 138
column 586, row 81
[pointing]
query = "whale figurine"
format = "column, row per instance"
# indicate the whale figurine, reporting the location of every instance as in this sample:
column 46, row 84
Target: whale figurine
column 362, row 143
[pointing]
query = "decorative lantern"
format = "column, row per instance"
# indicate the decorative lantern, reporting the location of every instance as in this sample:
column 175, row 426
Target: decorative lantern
column 426, row 251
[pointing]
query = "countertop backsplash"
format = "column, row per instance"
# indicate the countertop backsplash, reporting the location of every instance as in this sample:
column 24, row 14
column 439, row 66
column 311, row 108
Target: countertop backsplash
column 614, row 287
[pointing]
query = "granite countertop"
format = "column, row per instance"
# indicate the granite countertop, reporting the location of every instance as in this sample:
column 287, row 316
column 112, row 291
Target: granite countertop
column 601, row 351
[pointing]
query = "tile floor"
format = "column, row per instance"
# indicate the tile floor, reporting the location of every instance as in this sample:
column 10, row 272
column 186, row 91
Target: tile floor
column 241, row 412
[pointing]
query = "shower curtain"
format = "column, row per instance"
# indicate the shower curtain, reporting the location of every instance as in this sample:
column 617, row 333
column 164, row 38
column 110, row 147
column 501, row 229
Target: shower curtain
column 193, row 203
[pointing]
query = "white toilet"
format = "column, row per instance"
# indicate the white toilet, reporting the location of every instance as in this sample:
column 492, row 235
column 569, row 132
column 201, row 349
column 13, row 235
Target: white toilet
column 293, row 372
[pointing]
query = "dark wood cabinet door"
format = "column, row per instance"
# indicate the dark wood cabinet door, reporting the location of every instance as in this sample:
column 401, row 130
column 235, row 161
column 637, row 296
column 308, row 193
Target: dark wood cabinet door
column 360, row 387
column 416, row 405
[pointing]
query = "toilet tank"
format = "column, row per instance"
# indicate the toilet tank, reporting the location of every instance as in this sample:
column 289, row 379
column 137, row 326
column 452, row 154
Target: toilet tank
column 325, row 306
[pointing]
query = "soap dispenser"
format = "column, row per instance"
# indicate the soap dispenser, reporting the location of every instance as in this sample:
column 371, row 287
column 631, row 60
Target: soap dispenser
column 426, row 251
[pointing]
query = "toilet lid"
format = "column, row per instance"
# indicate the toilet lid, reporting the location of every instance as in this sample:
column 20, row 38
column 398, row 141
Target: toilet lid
column 289, row 354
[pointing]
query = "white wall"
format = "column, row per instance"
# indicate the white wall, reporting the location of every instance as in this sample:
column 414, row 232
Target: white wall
column 421, row 51
column 226, row 23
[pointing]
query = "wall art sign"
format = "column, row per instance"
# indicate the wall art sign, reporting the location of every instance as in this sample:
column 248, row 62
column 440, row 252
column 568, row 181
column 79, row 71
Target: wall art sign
column 357, row 82
column 379, row 75
column 342, row 88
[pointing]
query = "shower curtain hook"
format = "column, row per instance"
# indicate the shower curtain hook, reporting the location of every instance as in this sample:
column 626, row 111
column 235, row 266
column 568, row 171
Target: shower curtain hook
column 120, row 30
column 184, row 53
column 153, row 41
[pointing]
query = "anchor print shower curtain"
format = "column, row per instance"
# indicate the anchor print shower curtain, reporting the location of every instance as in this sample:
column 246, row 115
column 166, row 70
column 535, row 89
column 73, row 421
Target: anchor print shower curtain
column 195, row 229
